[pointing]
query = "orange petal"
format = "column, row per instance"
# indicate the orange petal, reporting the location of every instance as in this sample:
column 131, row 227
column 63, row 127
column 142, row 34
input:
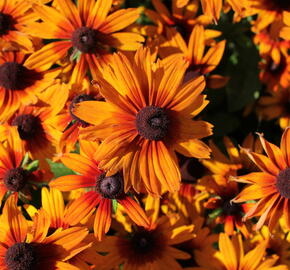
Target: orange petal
column 70, row 11
column 196, row 44
column 81, row 208
column 135, row 211
column 103, row 218
column 71, row 182
column 99, row 13
column 285, row 145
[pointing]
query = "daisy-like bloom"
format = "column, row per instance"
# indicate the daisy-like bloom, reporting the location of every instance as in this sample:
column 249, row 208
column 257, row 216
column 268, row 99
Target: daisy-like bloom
column 275, row 76
column 182, row 18
column 104, row 190
column 28, row 248
column 14, row 15
column 63, row 216
column 275, row 105
column 270, row 186
column 71, row 124
column 270, row 43
column 19, row 85
column 153, row 248
column 268, row 11
column 146, row 118
column 232, row 255
column 32, row 127
column 221, row 190
column 199, row 62
column 277, row 244
column 16, row 174
column 85, row 32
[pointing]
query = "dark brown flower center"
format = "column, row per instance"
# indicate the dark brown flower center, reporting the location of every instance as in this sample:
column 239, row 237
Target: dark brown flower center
column 85, row 39
column 143, row 241
column 6, row 23
column 14, row 76
column 28, row 126
column 276, row 69
column 230, row 208
column 15, row 179
column 283, row 183
column 110, row 187
column 76, row 100
column 152, row 123
column 21, row 256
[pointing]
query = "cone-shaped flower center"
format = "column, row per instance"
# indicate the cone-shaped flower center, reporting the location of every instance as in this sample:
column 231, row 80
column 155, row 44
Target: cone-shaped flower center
column 110, row 187
column 28, row 126
column 21, row 256
column 78, row 99
column 152, row 123
column 15, row 179
column 85, row 39
column 143, row 241
column 283, row 183
column 6, row 23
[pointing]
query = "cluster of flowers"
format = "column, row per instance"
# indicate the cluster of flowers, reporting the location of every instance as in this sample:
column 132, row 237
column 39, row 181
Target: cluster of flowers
column 102, row 165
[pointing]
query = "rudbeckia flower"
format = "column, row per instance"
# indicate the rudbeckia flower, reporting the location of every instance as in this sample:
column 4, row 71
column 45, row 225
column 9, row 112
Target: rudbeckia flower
column 23, row 247
column 16, row 174
column 32, row 126
column 20, row 85
column 153, row 248
column 103, row 191
column 14, row 15
column 270, row 187
column 193, row 52
column 232, row 255
column 84, row 32
column 275, row 105
column 148, row 115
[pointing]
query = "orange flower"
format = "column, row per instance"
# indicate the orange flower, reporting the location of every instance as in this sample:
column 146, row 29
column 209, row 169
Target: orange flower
column 32, row 127
column 232, row 255
column 275, row 105
column 103, row 191
column 19, row 85
column 16, row 172
column 270, row 186
column 275, row 76
column 86, row 29
column 22, row 247
column 146, row 118
column 14, row 15
column 193, row 52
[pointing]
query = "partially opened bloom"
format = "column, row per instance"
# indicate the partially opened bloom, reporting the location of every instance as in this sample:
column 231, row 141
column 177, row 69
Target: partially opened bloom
column 146, row 118
column 85, row 32
column 20, row 85
column 102, row 191
column 270, row 187
column 24, row 247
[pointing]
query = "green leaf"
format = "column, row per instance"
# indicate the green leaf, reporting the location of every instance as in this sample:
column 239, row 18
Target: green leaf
column 115, row 205
column 215, row 213
column 59, row 169
column 32, row 166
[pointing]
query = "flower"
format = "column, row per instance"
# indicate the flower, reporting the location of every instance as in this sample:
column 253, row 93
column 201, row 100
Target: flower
column 85, row 32
column 24, row 247
column 104, row 191
column 144, row 119
column 153, row 248
column 270, row 186
column 232, row 255
column 20, row 85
